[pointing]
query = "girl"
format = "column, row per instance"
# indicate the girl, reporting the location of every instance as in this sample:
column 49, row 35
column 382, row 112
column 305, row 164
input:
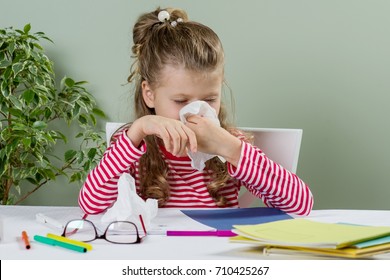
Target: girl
column 178, row 61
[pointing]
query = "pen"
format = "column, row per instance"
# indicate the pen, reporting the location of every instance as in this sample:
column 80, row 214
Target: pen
column 47, row 220
column 219, row 233
column 25, row 239
column 53, row 242
column 70, row 241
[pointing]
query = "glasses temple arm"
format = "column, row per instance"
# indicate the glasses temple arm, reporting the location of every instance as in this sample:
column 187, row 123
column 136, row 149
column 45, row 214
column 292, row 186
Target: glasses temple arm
column 142, row 223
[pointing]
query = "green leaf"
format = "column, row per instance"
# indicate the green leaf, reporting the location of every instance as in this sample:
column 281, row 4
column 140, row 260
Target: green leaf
column 98, row 112
column 76, row 110
column 69, row 155
column 4, row 88
column 17, row 67
column 26, row 142
column 27, row 28
column 93, row 119
column 83, row 119
column 62, row 136
column 39, row 125
column 15, row 101
column 80, row 157
column 81, row 83
column 5, row 63
column 87, row 166
column 11, row 47
column 38, row 46
column 92, row 153
column 32, row 180
column 50, row 174
column 28, row 95
column 76, row 177
column 69, row 82
column 47, row 38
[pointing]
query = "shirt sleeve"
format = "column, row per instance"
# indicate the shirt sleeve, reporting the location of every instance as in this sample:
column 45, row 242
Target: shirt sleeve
column 269, row 181
column 100, row 188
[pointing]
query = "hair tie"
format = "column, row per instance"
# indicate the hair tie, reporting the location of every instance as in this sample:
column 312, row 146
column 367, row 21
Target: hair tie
column 164, row 16
column 175, row 22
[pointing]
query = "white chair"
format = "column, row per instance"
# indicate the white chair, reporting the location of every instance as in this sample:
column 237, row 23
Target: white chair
column 282, row 145
column 111, row 127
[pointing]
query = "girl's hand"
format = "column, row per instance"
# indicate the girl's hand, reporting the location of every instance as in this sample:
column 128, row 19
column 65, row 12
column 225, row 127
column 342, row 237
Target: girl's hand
column 176, row 136
column 215, row 140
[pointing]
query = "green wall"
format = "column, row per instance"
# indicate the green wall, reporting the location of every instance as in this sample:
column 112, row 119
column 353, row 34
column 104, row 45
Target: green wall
column 321, row 66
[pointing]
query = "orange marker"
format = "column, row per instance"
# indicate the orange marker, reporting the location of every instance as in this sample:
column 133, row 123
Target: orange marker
column 25, row 239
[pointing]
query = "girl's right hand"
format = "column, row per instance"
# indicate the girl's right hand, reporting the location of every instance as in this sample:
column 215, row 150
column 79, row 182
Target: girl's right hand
column 176, row 136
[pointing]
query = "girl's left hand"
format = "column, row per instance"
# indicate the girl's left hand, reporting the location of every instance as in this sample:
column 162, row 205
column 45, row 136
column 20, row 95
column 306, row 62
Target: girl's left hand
column 215, row 140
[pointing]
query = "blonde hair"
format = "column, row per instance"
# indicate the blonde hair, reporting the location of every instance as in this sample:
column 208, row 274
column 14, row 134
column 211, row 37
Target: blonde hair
column 156, row 44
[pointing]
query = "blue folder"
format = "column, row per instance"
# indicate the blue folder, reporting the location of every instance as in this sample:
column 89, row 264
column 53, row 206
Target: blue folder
column 224, row 219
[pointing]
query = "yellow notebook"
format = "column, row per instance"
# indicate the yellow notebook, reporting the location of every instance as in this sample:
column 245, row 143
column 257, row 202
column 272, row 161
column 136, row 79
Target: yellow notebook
column 348, row 252
column 307, row 233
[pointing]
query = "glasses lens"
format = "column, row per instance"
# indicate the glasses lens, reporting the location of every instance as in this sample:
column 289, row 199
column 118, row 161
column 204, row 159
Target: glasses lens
column 80, row 230
column 122, row 232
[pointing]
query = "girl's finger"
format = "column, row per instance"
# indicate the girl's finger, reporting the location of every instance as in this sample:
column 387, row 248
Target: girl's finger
column 192, row 143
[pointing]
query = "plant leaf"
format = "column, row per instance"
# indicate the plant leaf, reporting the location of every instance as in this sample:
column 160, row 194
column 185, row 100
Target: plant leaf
column 28, row 95
column 27, row 28
column 92, row 153
column 98, row 112
column 69, row 82
column 69, row 155
column 39, row 125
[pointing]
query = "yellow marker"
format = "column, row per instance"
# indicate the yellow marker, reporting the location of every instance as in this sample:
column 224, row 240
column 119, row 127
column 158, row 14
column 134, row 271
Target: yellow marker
column 70, row 241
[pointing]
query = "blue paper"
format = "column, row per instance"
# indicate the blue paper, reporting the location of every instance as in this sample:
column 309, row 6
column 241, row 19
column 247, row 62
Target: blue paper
column 373, row 242
column 224, row 219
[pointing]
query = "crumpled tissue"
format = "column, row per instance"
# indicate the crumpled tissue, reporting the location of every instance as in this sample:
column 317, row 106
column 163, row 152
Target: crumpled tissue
column 129, row 205
column 200, row 108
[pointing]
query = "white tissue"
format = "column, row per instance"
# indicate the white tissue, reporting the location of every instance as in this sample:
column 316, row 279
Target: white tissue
column 129, row 205
column 202, row 108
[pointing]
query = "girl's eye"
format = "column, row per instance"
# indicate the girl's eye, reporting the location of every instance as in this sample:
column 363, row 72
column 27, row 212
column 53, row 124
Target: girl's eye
column 211, row 100
column 180, row 101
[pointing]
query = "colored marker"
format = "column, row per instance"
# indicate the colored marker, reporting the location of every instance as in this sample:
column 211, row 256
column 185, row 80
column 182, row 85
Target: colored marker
column 53, row 242
column 219, row 233
column 70, row 241
column 25, row 239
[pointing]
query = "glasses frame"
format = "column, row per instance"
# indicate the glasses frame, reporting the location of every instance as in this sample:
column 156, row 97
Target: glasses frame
column 104, row 235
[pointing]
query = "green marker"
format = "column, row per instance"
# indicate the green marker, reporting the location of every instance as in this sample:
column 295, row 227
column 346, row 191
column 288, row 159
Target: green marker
column 53, row 242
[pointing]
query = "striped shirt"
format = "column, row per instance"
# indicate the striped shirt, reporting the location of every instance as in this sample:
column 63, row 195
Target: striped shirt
column 272, row 183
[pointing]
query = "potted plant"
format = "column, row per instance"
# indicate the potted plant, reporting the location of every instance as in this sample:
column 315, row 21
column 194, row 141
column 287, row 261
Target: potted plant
column 31, row 107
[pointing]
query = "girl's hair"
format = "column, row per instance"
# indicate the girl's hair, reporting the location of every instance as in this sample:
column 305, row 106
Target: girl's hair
column 177, row 42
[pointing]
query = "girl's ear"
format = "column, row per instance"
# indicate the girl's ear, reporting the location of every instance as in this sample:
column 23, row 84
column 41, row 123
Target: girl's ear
column 147, row 94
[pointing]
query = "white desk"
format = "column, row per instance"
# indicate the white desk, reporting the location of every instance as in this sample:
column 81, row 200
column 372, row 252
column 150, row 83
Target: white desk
column 19, row 218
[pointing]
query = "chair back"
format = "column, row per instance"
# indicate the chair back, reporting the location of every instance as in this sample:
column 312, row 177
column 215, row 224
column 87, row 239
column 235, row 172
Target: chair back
column 111, row 127
column 281, row 145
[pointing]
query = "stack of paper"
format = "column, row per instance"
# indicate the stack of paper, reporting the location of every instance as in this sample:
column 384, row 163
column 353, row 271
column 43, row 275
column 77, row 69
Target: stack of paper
column 301, row 235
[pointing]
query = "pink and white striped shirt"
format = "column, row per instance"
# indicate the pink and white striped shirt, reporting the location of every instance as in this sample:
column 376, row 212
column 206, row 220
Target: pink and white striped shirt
column 275, row 185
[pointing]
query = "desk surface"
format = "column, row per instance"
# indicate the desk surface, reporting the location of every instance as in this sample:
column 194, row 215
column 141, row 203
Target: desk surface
column 15, row 219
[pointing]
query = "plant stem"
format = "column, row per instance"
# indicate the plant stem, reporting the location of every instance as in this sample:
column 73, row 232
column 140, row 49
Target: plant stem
column 8, row 184
column 43, row 183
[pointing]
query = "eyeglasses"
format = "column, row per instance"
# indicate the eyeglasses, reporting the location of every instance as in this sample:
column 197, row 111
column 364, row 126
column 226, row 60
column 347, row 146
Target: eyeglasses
column 120, row 232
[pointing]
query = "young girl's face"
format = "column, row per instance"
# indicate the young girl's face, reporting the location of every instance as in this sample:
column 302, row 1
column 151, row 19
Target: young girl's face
column 178, row 87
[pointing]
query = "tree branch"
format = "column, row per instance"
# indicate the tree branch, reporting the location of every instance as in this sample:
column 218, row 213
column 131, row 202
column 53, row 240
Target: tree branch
column 44, row 182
